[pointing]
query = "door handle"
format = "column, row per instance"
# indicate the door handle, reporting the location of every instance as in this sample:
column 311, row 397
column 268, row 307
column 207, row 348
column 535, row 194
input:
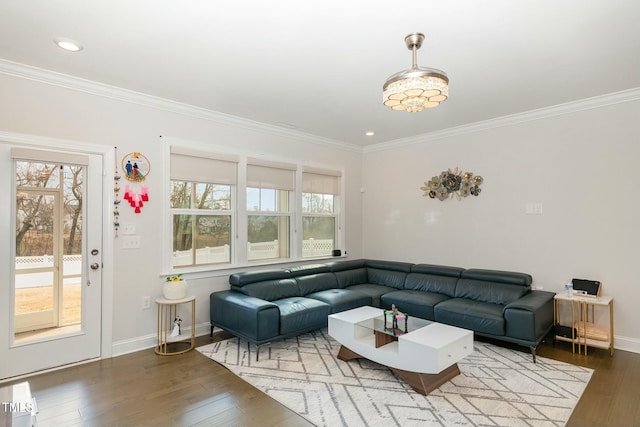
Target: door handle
column 95, row 266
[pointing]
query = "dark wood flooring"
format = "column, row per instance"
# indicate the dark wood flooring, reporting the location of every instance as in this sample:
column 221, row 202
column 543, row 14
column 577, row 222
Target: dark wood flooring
column 144, row 389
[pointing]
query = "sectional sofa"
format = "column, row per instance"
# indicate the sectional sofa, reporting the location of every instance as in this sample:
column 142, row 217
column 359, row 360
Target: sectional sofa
column 266, row 305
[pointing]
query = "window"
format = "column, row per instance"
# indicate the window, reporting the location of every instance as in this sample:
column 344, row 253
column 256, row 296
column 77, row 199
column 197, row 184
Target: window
column 269, row 189
column 320, row 208
column 231, row 211
column 202, row 214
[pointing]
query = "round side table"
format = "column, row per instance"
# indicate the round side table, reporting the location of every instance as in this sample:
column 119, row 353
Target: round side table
column 167, row 312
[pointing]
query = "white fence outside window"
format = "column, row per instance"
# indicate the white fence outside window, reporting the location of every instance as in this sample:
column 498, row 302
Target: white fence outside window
column 255, row 251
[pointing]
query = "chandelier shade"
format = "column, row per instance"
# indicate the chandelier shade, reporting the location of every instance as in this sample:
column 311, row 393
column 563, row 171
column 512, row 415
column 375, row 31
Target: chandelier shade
column 417, row 88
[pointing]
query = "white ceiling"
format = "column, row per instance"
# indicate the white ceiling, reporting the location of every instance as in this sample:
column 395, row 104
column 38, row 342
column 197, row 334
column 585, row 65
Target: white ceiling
column 320, row 65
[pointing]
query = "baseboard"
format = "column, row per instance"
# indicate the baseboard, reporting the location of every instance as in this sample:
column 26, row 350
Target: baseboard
column 149, row 341
column 626, row 344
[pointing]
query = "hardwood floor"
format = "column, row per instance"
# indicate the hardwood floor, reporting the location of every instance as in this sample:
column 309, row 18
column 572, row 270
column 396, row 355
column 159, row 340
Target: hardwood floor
column 144, row 389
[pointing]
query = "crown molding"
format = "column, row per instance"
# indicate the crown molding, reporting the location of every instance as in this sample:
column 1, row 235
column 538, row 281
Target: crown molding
column 66, row 81
column 542, row 113
column 44, row 142
column 125, row 95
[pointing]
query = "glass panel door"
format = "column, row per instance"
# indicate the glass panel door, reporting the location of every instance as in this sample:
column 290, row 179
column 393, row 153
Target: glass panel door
column 36, row 286
column 51, row 257
column 48, row 257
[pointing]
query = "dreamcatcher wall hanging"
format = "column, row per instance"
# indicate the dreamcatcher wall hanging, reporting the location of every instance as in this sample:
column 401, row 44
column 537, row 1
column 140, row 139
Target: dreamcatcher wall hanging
column 136, row 167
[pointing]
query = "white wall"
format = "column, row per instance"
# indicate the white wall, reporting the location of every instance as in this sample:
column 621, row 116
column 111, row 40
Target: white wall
column 582, row 167
column 30, row 107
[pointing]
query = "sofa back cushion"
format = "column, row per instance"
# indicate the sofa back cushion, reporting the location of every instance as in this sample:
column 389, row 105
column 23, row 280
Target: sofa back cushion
column 351, row 264
column 269, row 285
column 387, row 273
column 247, row 277
column 356, row 276
column 404, row 267
column 270, row 290
column 497, row 287
column 510, row 277
column 393, row 279
column 431, row 283
column 439, row 270
column 308, row 269
column 316, row 283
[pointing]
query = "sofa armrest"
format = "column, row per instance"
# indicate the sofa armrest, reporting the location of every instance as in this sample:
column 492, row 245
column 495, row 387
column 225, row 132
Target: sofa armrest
column 252, row 318
column 530, row 317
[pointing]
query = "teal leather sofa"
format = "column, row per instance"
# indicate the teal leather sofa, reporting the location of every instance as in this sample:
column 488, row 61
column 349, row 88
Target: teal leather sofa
column 266, row 305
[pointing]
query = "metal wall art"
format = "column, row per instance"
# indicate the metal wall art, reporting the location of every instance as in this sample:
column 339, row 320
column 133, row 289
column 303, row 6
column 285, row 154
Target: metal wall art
column 452, row 183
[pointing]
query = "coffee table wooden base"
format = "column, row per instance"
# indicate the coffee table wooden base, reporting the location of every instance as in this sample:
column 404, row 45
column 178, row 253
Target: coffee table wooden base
column 421, row 383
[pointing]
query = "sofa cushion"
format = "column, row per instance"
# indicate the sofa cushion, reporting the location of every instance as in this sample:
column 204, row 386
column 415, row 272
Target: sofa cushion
column 373, row 291
column 511, row 277
column 316, row 282
column 307, row 269
column 341, row 299
column 440, row 270
column 351, row 264
column 246, row 277
column 491, row 292
column 347, row 278
column 301, row 314
column 389, row 278
column 478, row 316
column 414, row 303
column 445, row 285
column 403, row 267
column 270, row 289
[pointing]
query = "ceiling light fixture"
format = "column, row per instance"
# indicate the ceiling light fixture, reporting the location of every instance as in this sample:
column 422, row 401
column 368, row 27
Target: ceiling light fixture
column 369, row 133
column 68, row 44
column 417, row 88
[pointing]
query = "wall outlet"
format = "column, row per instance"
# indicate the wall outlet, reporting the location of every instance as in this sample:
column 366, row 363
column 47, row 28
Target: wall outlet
column 531, row 208
column 128, row 229
column 131, row 242
column 146, row 302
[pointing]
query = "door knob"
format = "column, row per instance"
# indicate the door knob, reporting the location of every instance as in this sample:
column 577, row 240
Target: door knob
column 95, row 266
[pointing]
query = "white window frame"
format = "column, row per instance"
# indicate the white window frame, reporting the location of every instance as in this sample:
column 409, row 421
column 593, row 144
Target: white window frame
column 337, row 206
column 239, row 212
column 208, row 212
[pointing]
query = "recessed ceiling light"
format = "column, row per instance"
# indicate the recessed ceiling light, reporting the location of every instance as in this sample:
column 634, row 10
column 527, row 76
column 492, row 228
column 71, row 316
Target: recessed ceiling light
column 370, row 133
column 68, row 44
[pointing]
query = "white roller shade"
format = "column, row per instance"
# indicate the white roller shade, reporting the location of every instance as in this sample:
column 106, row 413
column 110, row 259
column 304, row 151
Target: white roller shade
column 187, row 165
column 279, row 176
column 321, row 181
column 49, row 156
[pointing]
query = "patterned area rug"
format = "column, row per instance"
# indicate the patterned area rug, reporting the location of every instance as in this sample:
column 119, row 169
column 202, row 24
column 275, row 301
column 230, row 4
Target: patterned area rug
column 496, row 387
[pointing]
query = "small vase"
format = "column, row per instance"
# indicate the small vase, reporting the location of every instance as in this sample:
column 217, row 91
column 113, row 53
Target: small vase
column 174, row 290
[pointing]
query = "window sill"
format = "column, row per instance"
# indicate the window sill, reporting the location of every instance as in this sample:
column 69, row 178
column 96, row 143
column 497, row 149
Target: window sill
column 226, row 270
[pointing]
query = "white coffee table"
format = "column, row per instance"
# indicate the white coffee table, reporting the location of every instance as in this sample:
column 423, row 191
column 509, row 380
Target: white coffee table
column 425, row 357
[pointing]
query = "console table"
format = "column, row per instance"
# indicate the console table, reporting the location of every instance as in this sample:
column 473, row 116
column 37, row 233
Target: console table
column 167, row 312
column 586, row 330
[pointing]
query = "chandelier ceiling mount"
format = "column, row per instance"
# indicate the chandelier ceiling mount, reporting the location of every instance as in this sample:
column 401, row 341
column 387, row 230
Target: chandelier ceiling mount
column 417, row 88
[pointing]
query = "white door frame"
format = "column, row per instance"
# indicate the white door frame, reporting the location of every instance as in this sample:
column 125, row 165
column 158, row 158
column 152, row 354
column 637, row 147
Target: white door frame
column 108, row 159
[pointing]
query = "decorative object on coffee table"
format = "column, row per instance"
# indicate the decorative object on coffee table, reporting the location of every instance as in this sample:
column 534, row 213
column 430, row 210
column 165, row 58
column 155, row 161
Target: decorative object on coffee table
column 395, row 315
